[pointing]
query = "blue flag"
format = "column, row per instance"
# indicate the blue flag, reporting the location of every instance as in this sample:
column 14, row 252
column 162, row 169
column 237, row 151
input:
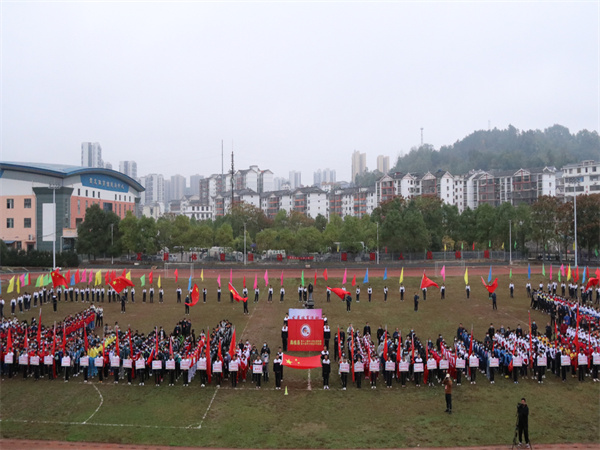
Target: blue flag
column 490, row 275
column 385, row 274
column 529, row 271
column 366, row 280
column 72, row 279
column 190, row 284
column 583, row 279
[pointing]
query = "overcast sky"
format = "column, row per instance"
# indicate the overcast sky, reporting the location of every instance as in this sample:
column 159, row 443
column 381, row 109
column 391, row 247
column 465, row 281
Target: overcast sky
column 291, row 86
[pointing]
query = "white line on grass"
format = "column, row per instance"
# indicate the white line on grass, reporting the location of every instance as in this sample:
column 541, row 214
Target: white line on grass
column 51, row 422
column 309, row 388
column 98, row 408
column 208, row 409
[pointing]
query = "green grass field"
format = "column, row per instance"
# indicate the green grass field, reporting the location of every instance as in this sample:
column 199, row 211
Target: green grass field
column 484, row 414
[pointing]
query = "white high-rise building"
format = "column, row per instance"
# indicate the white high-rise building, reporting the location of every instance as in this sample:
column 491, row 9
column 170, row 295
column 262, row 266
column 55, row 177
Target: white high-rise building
column 359, row 164
column 195, row 184
column 129, row 168
column 154, row 185
column 295, row 179
column 178, row 183
column 91, row 154
column 383, row 164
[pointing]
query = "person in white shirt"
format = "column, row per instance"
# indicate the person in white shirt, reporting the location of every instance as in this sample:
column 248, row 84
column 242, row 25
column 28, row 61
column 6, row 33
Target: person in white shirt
column 270, row 297
column 385, row 293
column 357, row 294
column 281, row 294
column 370, row 293
column 402, row 290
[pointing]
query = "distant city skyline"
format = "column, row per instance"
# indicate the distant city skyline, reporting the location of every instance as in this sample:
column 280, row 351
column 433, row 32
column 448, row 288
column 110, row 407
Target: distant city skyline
column 288, row 86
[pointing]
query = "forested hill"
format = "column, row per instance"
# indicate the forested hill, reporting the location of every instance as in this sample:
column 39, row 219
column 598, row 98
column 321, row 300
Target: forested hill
column 504, row 149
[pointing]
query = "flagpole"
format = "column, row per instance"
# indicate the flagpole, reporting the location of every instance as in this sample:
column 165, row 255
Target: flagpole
column 510, row 242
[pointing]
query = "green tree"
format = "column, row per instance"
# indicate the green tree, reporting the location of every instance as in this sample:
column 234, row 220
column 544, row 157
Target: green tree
column 415, row 236
column 543, row 218
column 351, row 238
column 333, row 231
column 266, row 240
column 320, row 222
column 308, row 240
column 224, row 236
column 94, row 233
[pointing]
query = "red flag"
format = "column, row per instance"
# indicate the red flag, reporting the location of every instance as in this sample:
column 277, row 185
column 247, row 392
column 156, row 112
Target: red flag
column 352, row 351
column 64, row 340
column 85, row 340
column 9, row 340
column 124, row 273
column 150, row 278
column 236, row 296
column 426, row 282
column 176, row 275
column 39, row 331
column 107, row 277
column 171, row 347
column 130, row 345
column 385, row 346
column 156, row 339
column 325, row 274
column 77, row 279
column 25, row 339
column 471, row 342
column 576, row 276
column 232, row 344
column 426, row 374
column 165, row 256
column 121, row 283
column 339, row 343
column 315, row 278
column 68, row 275
column 54, row 349
column 117, row 343
column 530, row 338
column 412, row 344
column 195, row 295
column 473, row 245
column 354, row 280
column 341, row 293
column 219, row 353
column 208, row 361
column 591, row 282
column 299, row 362
column 244, row 280
column 58, row 279
column 491, row 287
column 577, row 331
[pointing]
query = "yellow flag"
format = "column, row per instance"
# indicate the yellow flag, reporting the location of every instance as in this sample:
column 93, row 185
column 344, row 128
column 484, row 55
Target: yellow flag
column 573, row 245
column 401, row 276
column 444, row 247
column 128, row 275
column 466, row 275
column 98, row 280
column 18, row 285
column 503, row 246
column 569, row 273
column 202, row 274
column 159, row 283
column 11, row 285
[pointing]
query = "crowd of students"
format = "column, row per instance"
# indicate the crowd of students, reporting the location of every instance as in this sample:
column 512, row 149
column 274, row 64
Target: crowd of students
column 83, row 345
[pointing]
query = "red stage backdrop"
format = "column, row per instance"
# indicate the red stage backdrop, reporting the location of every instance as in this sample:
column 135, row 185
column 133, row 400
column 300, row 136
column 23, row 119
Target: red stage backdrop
column 305, row 330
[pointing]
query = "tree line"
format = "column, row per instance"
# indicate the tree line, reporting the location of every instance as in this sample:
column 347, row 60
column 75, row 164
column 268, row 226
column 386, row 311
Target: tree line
column 402, row 225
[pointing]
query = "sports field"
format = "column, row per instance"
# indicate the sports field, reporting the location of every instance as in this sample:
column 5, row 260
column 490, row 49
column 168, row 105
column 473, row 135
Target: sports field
column 308, row 416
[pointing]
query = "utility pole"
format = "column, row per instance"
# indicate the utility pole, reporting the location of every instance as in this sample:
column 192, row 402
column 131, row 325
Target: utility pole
column 232, row 172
